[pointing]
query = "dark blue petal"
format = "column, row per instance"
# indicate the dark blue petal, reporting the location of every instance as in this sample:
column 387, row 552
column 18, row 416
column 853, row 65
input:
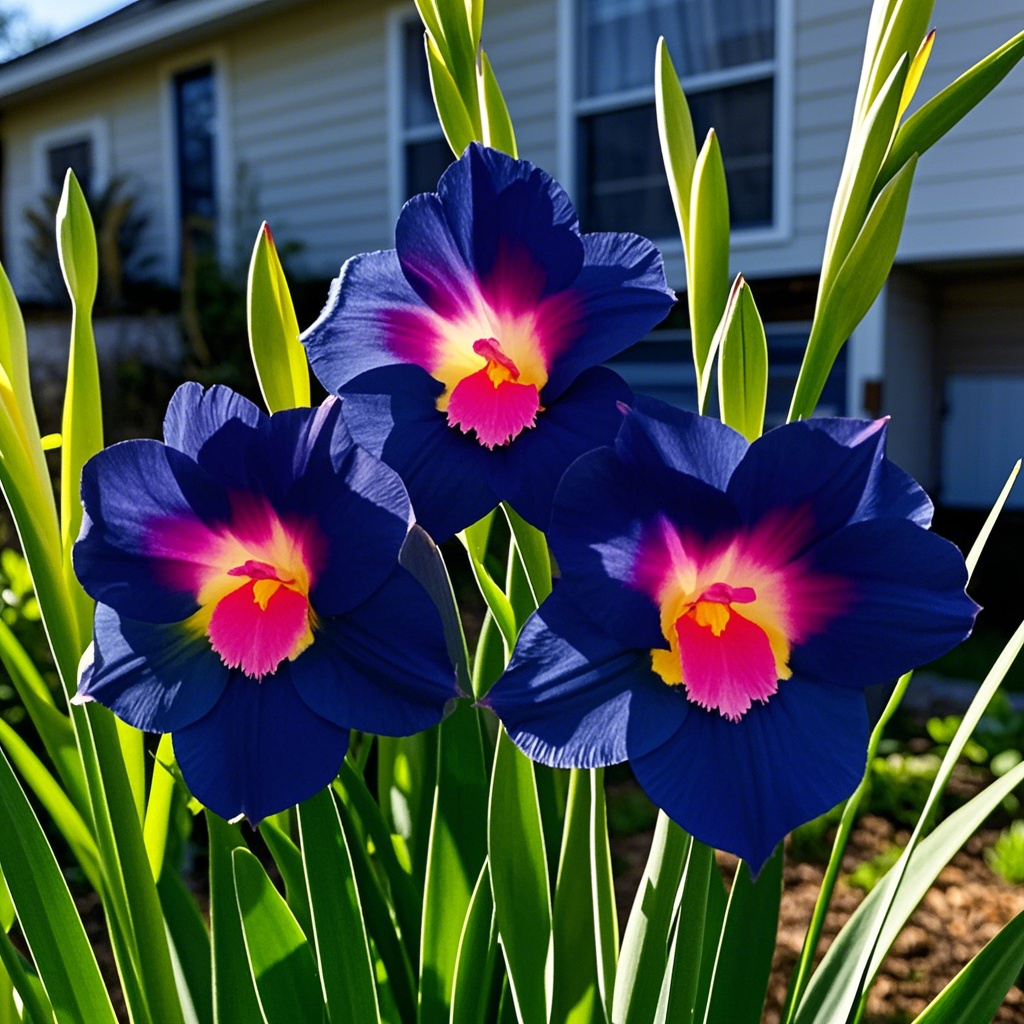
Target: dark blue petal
column 654, row 435
column 194, row 414
column 602, row 509
column 800, row 466
column 623, row 293
column 126, row 488
column 573, row 697
column 392, row 412
column 156, row 677
column 909, row 605
column 382, row 667
column 584, row 417
column 892, row 493
column 493, row 202
column 351, row 335
column 741, row 786
column 260, row 750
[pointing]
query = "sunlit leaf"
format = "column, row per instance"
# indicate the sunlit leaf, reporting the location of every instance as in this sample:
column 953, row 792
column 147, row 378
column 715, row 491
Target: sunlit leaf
column 743, row 363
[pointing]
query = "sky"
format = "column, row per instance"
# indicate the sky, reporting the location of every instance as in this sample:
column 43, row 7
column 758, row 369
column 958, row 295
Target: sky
column 62, row 16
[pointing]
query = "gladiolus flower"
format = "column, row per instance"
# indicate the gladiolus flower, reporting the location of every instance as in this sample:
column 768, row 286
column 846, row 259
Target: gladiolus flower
column 722, row 607
column 250, row 599
column 469, row 354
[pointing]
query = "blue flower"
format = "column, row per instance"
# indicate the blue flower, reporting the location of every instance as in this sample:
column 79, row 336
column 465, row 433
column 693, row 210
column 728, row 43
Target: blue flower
column 250, row 599
column 722, row 607
column 469, row 354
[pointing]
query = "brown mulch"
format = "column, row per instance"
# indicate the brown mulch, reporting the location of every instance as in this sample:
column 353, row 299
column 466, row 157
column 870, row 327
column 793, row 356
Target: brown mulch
column 964, row 909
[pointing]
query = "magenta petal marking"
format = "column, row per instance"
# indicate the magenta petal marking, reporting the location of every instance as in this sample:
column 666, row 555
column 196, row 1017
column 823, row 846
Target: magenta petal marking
column 497, row 412
column 727, row 672
column 256, row 640
column 722, row 593
column 257, row 570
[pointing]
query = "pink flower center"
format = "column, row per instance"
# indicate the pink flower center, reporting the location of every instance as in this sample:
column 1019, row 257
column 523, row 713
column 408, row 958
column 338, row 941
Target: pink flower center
column 726, row 660
column 491, row 401
column 263, row 622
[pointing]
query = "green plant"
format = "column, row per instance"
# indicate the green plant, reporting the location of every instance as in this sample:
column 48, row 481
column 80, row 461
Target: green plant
column 1006, row 855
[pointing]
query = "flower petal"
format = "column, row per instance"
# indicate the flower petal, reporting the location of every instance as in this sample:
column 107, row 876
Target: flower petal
column 195, row 414
column 741, row 786
column 654, row 435
column 126, row 490
column 495, row 204
column 892, row 493
column 799, row 465
column 602, row 508
column 156, row 677
column 392, row 412
column 622, row 294
column 372, row 318
column 381, row 668
column 574, row 697
column 260, row 750
column 585, row 417
column 909, row 605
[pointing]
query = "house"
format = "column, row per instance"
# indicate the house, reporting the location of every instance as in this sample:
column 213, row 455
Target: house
column 316, row 115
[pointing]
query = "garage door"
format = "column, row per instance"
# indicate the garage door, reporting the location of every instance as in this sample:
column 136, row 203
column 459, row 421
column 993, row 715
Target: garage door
column 982, row 437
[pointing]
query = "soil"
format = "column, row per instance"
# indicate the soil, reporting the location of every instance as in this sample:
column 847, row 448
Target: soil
column 964, row 909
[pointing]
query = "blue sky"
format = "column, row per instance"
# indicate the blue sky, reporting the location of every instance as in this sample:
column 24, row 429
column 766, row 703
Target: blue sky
column 62, row 16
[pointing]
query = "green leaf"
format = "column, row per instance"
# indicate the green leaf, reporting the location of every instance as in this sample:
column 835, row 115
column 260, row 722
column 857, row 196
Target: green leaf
column 854, row 956
column 904, row 29
column 855, row 289
column 644, row 956
column 917, row 66
column 280, row 960
column 498, row 130
column 456, row 120
column 519, row 880
column 743, row 363
column 190, row 947
column 287, row 857
column 458, row 847
column 577, row 995
column 744, row 961
column 454, row 17
column 380, row 918
column 707, row 277
column 277, row 353
column 233, row 991
column 26, row 983
column 46, row 912
column 928, row 124
column 422, row 557
column 675, row 131
column 55, row 802
column 474, row 539
column 475, row 991
column 342, row 949
column 990, row 521
column 82, row 423
column 159, row 806
column 532, row 549
column 978, row 991
column 692, row 940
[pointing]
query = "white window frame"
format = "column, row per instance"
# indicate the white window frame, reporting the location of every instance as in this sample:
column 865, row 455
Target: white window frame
column 571, row 108
column 94, row 129
column 400, row 136
column 224, row 160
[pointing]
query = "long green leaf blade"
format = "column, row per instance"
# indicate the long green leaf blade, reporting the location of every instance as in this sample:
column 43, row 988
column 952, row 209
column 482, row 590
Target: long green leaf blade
column 280, row 960
column 49, row 920
column 498, row 130
column 519, row 880
column 474, row 993
column 743, row 364
column 675, row 131
column 342, row 949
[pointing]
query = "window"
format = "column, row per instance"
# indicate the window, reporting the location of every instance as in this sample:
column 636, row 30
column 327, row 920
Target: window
column 724, row 52
column 76, row 153
column 424, row 153
column 195, row 112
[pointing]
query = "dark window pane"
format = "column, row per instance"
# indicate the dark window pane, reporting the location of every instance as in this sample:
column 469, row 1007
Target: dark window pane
column 195, row 104
column 617, row 38
column 623, row 178
column 418, row 101
column 424, row 164
column 78, row 156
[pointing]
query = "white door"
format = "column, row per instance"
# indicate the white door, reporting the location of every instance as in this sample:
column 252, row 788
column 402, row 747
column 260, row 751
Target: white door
column 982, row 438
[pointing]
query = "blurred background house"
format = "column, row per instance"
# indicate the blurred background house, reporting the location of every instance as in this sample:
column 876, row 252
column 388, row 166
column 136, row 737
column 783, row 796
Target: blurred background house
column 190, row 121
